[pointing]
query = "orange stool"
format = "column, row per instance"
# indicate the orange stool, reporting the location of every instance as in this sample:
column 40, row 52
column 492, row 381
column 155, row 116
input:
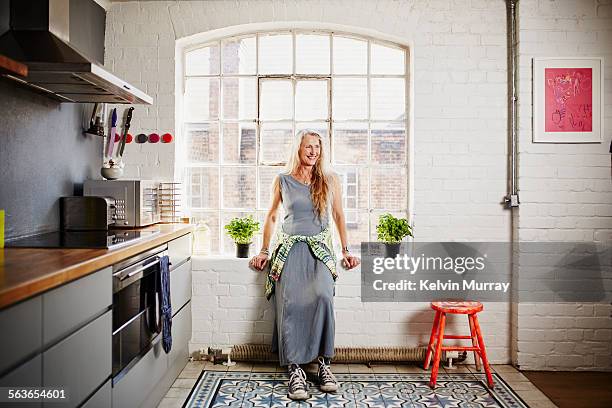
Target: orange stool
column 469, row 308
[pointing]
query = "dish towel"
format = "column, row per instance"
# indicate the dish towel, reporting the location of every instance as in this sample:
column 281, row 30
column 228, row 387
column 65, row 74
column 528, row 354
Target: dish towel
column 166, row 307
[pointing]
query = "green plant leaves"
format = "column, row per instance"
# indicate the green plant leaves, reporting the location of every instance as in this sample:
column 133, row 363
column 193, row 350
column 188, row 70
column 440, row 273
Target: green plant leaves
column 241, row 230
column 391, row 229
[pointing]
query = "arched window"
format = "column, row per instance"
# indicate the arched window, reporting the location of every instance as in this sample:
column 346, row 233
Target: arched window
column 246, row 96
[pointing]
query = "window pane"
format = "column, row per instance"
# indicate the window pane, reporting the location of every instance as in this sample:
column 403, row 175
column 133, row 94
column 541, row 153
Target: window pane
column 350, row 56
column 276, row 141
column 229, row 247
column 201, row 99
column 389, row 187
column 321, row 129
column 202, row 143
column 355, row 186
column 311, row 100
column 239, row 98
column 388, row 99
column 350, row 96
column 239, row 56
column 350, row 142
column 388, row 143
column 276, row 54
column 239, row 143
column 387, row 60
column 276, row 100
column 238, row 187
column 204, row 187
column 357, row 229
column 211, row 219
column 312, row 54
column 202, row 61
column 266, row 177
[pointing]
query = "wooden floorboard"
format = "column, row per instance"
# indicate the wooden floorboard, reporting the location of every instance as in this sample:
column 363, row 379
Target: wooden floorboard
column 574, row 389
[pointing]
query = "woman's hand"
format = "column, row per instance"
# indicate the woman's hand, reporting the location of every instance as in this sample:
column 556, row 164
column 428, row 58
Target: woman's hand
column 349, row 261
column 259, row 261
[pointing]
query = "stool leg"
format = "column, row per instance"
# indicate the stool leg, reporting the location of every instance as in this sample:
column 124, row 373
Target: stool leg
column 434, row 332
column 437, row 354
column 474, row 341
column 483, row 352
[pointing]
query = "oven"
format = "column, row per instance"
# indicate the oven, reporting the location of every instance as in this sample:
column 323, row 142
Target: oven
column 136, row 317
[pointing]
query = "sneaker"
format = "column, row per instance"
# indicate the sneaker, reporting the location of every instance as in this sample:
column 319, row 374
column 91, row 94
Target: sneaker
column 327, row 381
column 297, row 384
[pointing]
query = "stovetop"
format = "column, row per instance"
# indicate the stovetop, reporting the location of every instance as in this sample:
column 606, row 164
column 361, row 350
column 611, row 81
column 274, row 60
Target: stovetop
column 110, row 239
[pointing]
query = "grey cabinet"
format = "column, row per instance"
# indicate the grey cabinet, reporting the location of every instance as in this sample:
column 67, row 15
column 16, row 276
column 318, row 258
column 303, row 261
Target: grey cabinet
column 28, row 374
column 102, row 398
column 81, row 362
column 60, row 339
column 179, row 250
column 70, row 306
column 132, row 389
column 180, row 286
column 181, row 334
column 25, row 339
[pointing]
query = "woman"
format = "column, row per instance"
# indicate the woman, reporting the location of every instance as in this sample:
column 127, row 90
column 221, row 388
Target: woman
column 302, row 269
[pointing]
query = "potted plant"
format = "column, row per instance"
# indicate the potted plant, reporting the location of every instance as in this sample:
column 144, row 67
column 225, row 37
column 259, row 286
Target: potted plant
column 391, row 231
column 241, row 230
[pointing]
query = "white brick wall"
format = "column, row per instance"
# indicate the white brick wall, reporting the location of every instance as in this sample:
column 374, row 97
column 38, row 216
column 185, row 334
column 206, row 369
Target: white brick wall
column 566, row 193
column 231, row 309
column 459, row 127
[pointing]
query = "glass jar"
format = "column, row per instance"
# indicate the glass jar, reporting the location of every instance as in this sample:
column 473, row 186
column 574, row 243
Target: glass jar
column 201, row 239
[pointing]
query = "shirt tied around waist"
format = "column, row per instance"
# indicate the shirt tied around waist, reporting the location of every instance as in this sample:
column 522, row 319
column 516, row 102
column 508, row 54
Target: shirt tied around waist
column 320, row 244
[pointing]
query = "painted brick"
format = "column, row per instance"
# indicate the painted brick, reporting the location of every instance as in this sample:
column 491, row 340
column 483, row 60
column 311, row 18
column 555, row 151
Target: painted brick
column 459, row 135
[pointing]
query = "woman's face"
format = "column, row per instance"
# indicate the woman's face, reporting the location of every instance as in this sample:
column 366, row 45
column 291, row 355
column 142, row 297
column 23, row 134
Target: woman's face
column 310, row 150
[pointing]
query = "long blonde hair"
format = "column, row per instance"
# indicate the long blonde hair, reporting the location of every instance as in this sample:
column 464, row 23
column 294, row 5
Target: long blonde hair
column 320, row 189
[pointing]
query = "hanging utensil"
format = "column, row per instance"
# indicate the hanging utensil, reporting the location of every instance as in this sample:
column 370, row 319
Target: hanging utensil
column 111, row 136
column 126, row 128
column 96, row 122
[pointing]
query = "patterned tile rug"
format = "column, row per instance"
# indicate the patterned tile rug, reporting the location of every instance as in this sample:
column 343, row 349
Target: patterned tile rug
column 251, row 389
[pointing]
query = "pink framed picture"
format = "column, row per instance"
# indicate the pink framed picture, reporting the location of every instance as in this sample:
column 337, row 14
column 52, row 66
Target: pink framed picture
column 567, row 100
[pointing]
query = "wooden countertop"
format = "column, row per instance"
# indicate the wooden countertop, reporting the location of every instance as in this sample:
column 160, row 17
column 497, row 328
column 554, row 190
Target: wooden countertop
column 26, row 272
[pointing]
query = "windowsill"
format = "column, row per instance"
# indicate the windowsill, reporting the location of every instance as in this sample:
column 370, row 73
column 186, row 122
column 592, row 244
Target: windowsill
column 233, row 258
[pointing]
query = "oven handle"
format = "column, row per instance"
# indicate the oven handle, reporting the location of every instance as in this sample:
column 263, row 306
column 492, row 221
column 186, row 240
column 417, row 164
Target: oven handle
column 142, row 268
column 117, row 275
column 127, row 276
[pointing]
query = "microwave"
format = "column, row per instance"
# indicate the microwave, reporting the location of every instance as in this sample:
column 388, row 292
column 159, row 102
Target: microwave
column 136, row 201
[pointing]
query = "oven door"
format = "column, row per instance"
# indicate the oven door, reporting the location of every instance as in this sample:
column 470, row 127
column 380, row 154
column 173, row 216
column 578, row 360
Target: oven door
column 136, row 317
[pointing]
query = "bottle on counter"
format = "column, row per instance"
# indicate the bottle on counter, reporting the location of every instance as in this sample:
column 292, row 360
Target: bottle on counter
column 201, row 238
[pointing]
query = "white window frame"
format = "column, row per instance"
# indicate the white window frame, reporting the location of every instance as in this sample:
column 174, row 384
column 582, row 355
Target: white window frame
column 260, row 206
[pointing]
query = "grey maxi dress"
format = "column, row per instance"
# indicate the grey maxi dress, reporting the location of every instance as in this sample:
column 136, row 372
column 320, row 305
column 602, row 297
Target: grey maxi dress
column 303, row 296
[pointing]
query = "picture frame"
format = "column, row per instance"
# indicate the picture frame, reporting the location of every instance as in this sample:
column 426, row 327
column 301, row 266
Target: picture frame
column 568, row 100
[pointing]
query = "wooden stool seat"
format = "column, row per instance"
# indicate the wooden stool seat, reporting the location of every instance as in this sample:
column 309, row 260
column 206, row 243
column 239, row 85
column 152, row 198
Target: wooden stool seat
column 469, row 308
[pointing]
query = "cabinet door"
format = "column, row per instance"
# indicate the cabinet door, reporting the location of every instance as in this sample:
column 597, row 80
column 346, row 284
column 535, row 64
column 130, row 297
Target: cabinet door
column 132, row 389
column 80, row 362
column 28, row 374
column 23, row 321
column 181, row 334
column 179, row 250
column 180, row 286
column 102, row 398
column 68, row 307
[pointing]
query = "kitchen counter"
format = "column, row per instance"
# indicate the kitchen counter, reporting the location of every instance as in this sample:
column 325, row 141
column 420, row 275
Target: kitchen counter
column 26, row 272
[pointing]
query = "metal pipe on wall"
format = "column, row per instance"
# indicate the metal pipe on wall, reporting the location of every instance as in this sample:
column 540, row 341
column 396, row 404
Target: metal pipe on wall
column 512, row 199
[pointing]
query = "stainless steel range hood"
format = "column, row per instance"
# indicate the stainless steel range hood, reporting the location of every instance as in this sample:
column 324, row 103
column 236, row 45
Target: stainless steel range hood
column 62, row 43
